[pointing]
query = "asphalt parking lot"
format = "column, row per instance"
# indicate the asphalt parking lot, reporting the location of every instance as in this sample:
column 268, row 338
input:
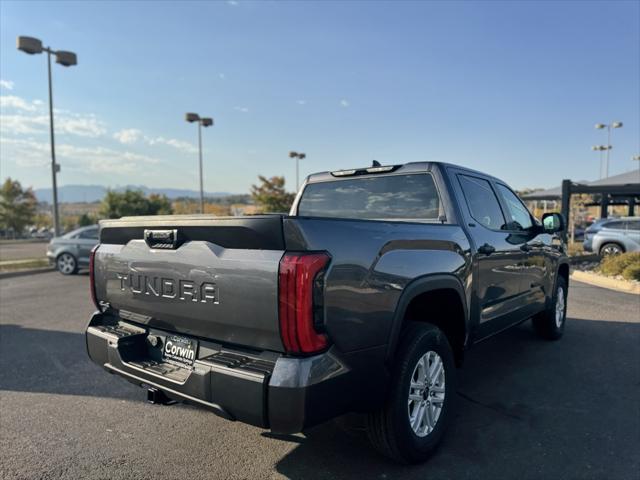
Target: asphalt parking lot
column 526, row 408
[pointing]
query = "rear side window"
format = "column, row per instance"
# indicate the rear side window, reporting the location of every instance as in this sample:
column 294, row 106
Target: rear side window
column 390, row 197
column 482, row 202
column 633, row 225
column 89, row 234
column 617, row 225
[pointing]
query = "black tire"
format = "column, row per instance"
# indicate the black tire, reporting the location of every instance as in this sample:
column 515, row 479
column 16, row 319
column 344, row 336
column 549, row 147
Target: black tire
column 546, row 323
column 389, row 429
column 611, row 248
column 67, row 264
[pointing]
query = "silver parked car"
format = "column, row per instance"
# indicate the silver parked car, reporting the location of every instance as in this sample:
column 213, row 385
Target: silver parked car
column 70, row 252
column 613, row 236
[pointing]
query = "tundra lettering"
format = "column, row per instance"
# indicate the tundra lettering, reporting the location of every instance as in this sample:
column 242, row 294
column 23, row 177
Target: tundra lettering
column 205, row 292
column 363, row 299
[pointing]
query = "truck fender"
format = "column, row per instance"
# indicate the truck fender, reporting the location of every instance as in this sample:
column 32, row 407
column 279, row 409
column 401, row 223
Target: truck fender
column 417, row 287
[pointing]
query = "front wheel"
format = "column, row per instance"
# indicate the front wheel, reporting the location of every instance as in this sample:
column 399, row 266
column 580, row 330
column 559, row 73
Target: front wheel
column 549, row 324
column 67, row 264
column 419, row 406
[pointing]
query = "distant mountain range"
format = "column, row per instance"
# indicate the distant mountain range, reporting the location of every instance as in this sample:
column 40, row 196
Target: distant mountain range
column 94, row 193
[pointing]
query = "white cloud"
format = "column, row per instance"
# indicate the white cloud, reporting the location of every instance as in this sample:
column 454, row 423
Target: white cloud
column 128, row 136
column 344, row 103
column 17, row 103
column 27, row 118
column 172, row 142
column 7, row 84
column 221, row 76
column 31, row 154
column 233, row 3
column 301, row 102
column 241, row 109
column 80, row 124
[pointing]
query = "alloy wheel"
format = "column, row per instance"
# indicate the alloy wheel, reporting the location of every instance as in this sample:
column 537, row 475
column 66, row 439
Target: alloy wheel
column 426, row 394
column 560, row 304
column 66, row 263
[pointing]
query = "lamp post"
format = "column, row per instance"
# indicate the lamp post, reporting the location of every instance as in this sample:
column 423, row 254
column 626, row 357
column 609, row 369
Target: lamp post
column 202, row 122
column 637, row 159
column 34, row 46
column 298, row 157
column 608, row 126
column 601, row 148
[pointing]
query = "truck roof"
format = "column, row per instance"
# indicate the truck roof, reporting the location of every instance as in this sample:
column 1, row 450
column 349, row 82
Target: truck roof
column 411, row 167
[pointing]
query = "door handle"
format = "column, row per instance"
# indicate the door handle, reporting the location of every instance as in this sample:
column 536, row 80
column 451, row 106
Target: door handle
column 486, row 249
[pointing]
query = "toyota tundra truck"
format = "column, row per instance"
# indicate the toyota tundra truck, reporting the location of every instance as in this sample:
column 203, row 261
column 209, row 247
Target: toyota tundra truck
column 364, row 298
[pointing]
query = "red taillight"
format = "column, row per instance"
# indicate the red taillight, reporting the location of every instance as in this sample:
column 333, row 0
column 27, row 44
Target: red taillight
column 92, row 283
column 296, row 279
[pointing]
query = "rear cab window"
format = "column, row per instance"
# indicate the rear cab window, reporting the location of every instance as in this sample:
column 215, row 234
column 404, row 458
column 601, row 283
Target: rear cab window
column 408, row 197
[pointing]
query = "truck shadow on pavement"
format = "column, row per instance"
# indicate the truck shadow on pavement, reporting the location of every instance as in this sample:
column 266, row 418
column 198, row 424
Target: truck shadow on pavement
column 526, row 408
column 49, row 361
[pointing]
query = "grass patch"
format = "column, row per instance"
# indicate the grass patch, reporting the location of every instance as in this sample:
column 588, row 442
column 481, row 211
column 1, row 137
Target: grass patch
column 10, row 266
column 627, row 265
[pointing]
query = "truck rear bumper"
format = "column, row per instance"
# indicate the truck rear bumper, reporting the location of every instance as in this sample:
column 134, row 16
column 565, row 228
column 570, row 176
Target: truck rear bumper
column 265, row 389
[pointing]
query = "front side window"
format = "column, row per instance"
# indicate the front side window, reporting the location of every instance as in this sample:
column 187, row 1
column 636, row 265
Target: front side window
column 482, row 202
column 519, row 216
column 389, row 197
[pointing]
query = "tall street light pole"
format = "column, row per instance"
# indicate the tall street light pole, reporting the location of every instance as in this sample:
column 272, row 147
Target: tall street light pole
column 34, row 46
column 298, row 157
column 202, row 122
column 608, row 126
column 601, row 148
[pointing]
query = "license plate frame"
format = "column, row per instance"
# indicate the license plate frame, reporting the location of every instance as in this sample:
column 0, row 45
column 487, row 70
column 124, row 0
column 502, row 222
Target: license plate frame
column 180, row 350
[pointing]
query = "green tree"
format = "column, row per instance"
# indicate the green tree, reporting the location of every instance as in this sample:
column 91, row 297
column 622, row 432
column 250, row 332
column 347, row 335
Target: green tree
column 132, row 203
column 17, row 206
column 270, row 195
column 85, row 220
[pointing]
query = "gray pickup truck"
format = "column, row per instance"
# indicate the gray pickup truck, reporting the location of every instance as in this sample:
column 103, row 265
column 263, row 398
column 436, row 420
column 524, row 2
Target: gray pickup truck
column 363, row 299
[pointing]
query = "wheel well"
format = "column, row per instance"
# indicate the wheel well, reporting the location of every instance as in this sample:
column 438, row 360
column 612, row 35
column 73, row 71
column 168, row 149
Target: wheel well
column 563, row 271
column 444, row 309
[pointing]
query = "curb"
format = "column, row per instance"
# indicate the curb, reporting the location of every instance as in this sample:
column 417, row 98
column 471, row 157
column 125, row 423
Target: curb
column 605, row 282
column 20, row 273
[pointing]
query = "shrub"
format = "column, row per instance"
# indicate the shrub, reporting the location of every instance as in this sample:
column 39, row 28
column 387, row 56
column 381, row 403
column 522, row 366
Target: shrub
column 617, row 264
column 575, row 248
column 632, row 272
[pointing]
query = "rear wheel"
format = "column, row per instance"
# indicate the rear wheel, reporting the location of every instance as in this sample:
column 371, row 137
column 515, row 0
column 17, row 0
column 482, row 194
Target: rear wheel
column 611, row 249
column 549, row 324
column 419, row 406
column 67, row 264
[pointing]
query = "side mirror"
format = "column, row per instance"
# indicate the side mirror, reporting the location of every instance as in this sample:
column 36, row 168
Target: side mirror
column 553, row 223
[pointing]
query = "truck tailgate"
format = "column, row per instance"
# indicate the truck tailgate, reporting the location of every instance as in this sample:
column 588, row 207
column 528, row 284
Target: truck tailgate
column 214, row 278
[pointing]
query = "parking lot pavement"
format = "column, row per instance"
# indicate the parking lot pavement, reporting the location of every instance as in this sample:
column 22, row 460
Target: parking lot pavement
column 21, row 250
column 527, row 409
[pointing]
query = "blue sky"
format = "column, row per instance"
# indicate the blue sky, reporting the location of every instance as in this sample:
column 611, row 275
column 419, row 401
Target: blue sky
column 511, row 88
